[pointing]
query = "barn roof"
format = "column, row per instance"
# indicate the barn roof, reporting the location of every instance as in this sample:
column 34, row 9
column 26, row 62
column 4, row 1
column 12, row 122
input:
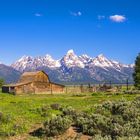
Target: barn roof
column 25, row 83
column 32, row 73
column 17, row 84
column 57, row 84
column 30, row 76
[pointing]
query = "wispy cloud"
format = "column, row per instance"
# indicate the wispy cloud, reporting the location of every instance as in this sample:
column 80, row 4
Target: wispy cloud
column 76, row 14
column 38, row 15
column 117, row 18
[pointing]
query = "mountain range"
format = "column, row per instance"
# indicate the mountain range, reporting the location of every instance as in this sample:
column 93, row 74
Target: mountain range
column 71, row 69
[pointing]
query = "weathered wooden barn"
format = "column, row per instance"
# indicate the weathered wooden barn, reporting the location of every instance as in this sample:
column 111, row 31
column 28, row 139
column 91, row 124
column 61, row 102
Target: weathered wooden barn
column 33, row 82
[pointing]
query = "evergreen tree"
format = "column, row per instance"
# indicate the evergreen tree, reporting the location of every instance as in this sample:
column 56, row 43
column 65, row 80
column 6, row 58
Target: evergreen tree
column 136, row 74
column 1, row 82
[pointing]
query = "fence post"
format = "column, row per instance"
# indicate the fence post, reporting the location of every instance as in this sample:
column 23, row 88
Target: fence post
column 51, row 89
column 89, row 87
column 110, row 84
column 66, row 90
column 127, row 84
column 81, row 87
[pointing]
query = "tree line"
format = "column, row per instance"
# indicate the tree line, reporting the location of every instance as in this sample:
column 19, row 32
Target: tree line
column 136, row 74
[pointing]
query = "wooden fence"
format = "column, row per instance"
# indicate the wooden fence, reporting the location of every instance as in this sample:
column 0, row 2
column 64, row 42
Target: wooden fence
column 97, row 88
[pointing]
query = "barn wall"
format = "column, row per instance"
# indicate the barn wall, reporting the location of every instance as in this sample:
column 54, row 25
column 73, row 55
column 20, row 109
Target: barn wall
column 42, row 87
column 28, row 88
column 39, row 88
column 57, row 88
column 19, row 90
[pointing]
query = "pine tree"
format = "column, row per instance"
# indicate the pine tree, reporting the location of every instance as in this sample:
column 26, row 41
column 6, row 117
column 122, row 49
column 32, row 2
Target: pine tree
column 1, row 82
column 136, row 74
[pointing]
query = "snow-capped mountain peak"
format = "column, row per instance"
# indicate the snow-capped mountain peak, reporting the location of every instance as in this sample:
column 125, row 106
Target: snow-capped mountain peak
column 101, row 57
column 25, row 58
column 74, row 69
column 102, row 61
column 77, row 68
column 71, row 51
column 48, row 57
column 132, row 65
column 23, row 63
column 28, row 62
column 70, row 55
column 85, row 59
column 85, row 56
column 71, row 60
column 50, row 62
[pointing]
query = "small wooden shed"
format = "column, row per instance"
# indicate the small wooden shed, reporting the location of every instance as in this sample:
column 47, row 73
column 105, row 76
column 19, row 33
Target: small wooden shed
column 33, row 82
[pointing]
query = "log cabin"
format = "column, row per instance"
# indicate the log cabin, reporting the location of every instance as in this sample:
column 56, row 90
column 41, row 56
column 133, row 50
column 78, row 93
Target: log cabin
column 33, row 82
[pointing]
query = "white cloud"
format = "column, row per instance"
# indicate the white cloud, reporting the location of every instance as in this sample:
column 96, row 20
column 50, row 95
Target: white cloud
column 100, row 17
column 117, row 18
column 38, row 15
column 76, row 13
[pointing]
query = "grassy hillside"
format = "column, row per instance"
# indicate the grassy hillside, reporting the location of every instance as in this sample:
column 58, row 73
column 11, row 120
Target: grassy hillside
column 19, row 115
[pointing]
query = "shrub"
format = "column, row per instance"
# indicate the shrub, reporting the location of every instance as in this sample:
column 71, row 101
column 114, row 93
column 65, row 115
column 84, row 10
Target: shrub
column 9, row 126
column 111, row 120
column 4, row 119
column 99, row 137
column 57, row 126
column 55, row 106
column 132, row 92
column 114, row 119
column 128, row 138
column 68, row 111
column 1, row 116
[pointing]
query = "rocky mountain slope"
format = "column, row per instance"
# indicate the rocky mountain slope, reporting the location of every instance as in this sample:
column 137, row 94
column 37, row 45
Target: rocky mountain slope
column 9, row 74
column 77, row 69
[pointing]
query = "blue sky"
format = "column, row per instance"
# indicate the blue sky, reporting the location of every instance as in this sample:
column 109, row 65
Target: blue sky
column 39, row 27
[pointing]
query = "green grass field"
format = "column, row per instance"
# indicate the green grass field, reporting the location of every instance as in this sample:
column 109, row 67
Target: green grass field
column 20, row 114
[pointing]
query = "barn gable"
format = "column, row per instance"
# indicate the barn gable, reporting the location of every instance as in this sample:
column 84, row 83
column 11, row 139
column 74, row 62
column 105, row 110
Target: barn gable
column 39, row 76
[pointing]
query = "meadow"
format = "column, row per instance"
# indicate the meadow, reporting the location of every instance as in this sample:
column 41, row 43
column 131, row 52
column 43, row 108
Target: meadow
column 20, row 115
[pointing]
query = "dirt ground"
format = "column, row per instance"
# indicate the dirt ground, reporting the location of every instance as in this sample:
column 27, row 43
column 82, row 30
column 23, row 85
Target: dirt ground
column 70, row 134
